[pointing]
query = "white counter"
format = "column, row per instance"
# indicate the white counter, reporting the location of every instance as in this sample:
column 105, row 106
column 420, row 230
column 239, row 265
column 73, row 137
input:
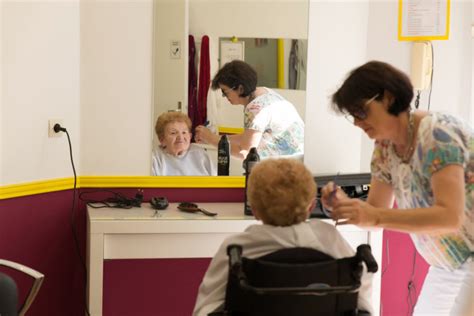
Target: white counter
column 145, row 233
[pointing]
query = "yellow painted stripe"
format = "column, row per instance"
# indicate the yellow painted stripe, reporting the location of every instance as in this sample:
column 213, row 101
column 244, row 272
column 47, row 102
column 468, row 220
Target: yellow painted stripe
column 230, row 130
column 281, row 63
column 162, row 182
column 46, row 186
column 36, row 187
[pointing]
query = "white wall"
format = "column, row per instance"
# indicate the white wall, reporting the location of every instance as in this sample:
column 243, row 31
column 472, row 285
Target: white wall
column 40, row 80
column 331, row 144
column 472, row 64
column 244, row 18
column 2, row 129
column 369, row 31
column 93, row 69
column 170, row 74
column 452, row 77
column 116, row 87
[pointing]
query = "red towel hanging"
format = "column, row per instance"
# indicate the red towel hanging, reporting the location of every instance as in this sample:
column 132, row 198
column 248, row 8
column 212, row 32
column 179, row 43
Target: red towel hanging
column 204, row 81
column 192, row 82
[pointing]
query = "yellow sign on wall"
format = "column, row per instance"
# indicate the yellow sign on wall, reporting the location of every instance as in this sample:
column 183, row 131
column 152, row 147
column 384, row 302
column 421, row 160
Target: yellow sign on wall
column 423, row 20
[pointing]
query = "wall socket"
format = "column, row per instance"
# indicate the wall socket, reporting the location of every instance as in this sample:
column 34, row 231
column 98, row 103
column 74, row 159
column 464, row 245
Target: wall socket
column 51, row 123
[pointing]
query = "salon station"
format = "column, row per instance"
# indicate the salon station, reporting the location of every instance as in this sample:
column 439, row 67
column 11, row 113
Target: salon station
column 106, row 70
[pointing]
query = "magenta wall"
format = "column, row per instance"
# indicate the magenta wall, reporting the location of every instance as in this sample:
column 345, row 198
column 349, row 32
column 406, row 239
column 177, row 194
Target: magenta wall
column 403, row 272
column 36, row 231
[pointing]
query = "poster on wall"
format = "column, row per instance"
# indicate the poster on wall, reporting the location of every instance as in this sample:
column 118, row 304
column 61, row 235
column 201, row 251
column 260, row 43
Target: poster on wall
column 231, row 50
column 423, row 20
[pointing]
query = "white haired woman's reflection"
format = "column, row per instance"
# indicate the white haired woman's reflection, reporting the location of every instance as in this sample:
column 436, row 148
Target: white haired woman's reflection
column 176, row 156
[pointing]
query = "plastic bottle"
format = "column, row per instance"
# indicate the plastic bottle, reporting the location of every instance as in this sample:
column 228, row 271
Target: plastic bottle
column 223, row 156
column 250, row 161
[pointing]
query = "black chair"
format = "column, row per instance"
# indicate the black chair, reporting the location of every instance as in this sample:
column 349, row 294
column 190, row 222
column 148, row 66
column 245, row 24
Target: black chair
column 8, row 295
column 295, row 281
column 9, row 291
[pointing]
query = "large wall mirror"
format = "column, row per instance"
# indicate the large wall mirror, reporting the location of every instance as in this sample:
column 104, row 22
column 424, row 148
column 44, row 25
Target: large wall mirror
column 258, row 22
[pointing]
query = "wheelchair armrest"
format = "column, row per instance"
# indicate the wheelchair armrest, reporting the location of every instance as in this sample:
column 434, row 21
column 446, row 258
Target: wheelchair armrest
column 364, row 253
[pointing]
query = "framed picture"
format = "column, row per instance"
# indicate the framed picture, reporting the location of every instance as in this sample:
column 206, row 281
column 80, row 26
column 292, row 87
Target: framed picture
column 230, row 50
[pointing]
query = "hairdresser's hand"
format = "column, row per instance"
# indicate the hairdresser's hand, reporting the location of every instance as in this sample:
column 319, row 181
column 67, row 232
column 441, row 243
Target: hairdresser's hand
column 354, row 211
column 330, row 193
column 204, row 135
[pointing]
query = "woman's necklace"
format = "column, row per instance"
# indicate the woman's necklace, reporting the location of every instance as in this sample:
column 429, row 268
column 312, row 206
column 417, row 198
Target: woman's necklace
column 405, row 157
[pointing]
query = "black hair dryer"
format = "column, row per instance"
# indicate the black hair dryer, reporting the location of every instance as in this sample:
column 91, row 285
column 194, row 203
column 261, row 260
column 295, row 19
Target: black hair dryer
column 252, row 159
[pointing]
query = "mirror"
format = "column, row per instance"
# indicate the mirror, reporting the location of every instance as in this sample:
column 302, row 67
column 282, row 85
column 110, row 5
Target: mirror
column 219, row 20
column 280, row 63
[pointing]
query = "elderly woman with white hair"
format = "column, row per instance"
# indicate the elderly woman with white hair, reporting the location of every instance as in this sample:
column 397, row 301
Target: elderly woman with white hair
column 176, row 156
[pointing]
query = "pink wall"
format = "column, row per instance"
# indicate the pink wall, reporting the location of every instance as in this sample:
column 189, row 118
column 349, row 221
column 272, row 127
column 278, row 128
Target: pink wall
column 35, row 231
column 401, row 266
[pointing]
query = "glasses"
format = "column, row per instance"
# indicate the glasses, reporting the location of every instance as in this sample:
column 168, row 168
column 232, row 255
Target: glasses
column 360, row 114
column 224, row 92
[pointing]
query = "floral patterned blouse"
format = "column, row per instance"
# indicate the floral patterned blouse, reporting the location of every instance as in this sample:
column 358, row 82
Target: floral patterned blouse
column 281, row 126
column 441, row 140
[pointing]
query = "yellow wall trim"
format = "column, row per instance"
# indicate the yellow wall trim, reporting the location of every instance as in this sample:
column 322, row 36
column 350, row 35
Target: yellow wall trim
column 230, row 130
column 280, row 63
column 45, row 186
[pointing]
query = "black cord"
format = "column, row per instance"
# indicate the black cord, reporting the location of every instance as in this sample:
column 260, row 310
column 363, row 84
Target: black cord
column 117, row 200
column 412, row 292
column 417, row 100
column 432, row 74
column 385, row 268
column 388, row 257
column 74, row 233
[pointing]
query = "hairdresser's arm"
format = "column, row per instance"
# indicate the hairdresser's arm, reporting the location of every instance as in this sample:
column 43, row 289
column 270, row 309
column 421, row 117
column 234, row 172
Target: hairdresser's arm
column 204, row 135
column 380, row 194
column 445, row 215
column 240, row 144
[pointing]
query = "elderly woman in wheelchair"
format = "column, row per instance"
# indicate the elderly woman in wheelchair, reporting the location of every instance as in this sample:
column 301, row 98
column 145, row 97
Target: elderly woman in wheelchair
column 287, row 265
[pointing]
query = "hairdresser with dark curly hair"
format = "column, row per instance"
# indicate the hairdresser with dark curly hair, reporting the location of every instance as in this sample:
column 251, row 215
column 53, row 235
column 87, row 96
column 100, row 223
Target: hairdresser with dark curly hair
column 271, row 123
column 424, row 160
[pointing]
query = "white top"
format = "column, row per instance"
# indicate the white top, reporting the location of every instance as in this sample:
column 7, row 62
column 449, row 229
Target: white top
column 280, row 124
column 259, row 240
column 194, row 162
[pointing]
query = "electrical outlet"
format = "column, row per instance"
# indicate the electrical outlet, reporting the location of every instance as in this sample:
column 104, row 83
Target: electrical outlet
column 51, row 123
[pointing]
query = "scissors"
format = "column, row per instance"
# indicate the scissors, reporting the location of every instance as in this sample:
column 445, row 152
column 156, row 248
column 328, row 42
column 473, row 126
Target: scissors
column 332, row 196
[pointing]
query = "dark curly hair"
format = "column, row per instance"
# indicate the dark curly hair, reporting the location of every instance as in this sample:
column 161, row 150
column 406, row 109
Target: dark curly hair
column 369, row 80
column 234, row 74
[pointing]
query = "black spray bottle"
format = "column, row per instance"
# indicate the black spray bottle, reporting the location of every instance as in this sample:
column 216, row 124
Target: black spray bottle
column 252, row 159
column 223, row 156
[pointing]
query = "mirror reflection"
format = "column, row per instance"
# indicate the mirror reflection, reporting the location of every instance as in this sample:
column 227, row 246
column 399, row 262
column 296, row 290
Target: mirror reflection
column 172, row 75
column 279, row 62
column 175, row 155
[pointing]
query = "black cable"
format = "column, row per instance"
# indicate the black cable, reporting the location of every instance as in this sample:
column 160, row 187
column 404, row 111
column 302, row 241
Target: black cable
column 432, row 74
column 417, row 100
column 388, row 257
column 57, row 129
column 411, row 297
column 385, row 268
column 117, row 200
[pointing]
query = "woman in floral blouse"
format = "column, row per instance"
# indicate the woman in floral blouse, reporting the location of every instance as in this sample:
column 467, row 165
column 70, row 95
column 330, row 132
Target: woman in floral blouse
column 425, row 161
column 271, row 122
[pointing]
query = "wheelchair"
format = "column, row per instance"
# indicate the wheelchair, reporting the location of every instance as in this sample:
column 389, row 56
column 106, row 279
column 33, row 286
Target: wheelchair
column 294, row 281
